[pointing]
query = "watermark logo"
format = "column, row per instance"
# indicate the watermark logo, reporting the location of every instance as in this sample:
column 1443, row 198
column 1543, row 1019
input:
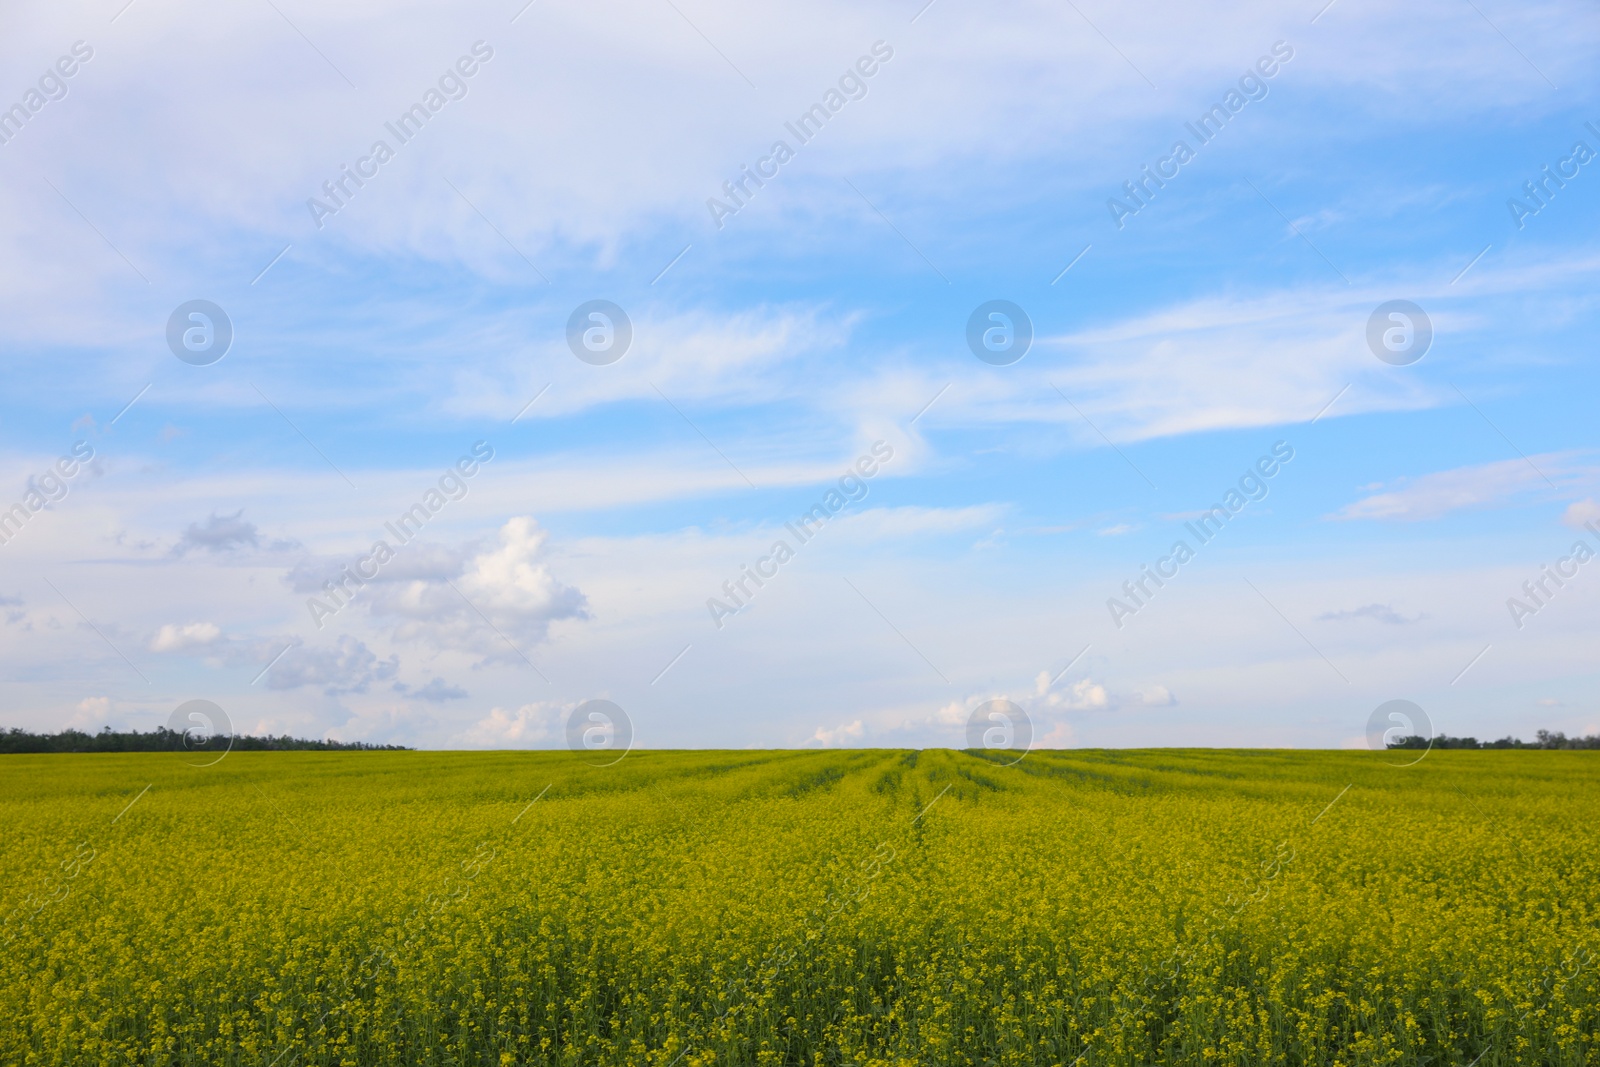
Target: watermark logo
column 1141, row 190
column 851, row 488
column 1400, row 726
column 199, row 332
column 1399, row 332
column 852, row 85
column 48, row 487
column 600, row 727
column 451, row 86
column 341, row 589
column 1538, row 592
column 999, row 725
column 52, row 86
column 1542, row 189
column 599, row 332
column 999, row 332
column 206, row 731
column 1203, row 526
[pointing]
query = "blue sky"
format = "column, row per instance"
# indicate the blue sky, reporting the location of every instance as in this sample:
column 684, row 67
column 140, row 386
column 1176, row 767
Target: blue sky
column 375, row 346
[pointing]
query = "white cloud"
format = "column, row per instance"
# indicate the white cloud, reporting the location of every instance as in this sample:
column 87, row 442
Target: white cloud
column 756, row 355
column 813, row 369
column 1483, row 485
column 1581, row 512
column 1227, row 362
column 347, row 666
column 469, row 597
column 171, row 638
column 1060, row 735
column 638, row 76
column 529, row 724
column 1083, row 695
column 839, row 735
column 1156, row 696
column 91, row 712
column 508, row 580
column 881, row 524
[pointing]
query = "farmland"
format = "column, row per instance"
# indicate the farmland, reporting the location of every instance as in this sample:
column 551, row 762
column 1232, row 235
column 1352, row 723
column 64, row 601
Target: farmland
column 856, row 907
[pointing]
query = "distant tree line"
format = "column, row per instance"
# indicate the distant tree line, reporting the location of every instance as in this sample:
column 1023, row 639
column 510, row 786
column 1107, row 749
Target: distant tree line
column 1545, row 739
column 162, row 739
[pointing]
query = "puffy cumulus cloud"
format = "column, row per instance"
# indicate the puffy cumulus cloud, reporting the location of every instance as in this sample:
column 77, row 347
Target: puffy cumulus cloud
column 91, row 711
column 1581, row 512
column 1156, row 696
column 506, row 593
column 945, row 725
column 1052, row 712
column 1086, row 694
column 1083, row 695
column 952, row 714
column 1060, row 735
column 348, row 666
column 948, row 724
column 530, row 724
column 840, row 735
column 171, row 638
column 509, row 580
column 470, row 598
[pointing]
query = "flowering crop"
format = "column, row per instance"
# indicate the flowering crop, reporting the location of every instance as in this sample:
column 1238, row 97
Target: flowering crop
column 819, row 908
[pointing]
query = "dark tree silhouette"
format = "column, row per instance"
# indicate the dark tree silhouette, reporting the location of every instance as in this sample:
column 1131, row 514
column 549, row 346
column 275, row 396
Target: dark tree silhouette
column 162, row 739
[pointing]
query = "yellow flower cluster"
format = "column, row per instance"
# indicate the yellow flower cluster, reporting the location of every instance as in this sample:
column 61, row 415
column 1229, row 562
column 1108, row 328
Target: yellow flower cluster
column 869, row 908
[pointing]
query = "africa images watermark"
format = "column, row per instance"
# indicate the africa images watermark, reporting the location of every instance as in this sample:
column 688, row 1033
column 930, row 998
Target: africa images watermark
column 1543, row 189
column 852, row 85
column 600, row 727
column 452, row 485
column 852, row 489
column 52, row 85
column 45, row 489
column 1252, row 86
column 998, row 726
column 1538, row 591
column 452, row 85
column 1252, row 486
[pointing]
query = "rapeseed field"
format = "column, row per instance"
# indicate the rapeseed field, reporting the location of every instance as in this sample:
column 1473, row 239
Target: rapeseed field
column 683, row 909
